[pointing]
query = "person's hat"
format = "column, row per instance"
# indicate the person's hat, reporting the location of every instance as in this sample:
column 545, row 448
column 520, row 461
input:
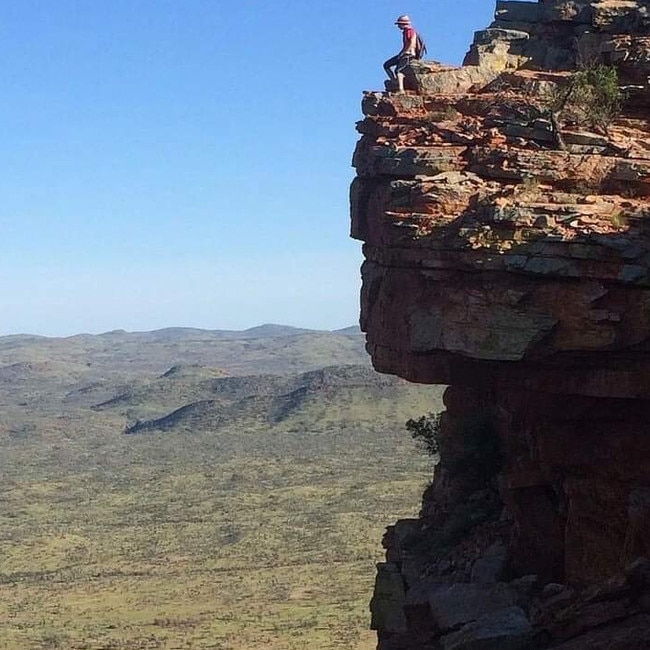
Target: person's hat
column 403, row 20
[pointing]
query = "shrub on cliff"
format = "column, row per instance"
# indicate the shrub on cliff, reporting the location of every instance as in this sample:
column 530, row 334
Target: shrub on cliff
column 481, row 448
column 425, row 430
column 591, row 98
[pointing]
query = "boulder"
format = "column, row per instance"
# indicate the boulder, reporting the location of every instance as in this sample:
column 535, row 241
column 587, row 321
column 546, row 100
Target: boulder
column 491, row 566
column 504, row 629
column 458, row 604
column 387, row 605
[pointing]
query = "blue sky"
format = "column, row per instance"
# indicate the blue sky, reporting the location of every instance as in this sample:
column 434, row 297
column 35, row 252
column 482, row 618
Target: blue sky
column 187, row 162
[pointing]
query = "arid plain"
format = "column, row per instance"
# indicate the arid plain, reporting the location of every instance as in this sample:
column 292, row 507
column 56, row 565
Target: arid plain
column 245, row 509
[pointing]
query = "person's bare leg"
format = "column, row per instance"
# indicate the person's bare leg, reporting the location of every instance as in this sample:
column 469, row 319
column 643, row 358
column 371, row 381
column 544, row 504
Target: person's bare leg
column 400, row 81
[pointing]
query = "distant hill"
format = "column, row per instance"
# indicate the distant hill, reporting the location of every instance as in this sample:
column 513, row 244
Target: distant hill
column 340, row 397
column 353, row 330
column 270, row 377
column 124, row 356
column 266, row 331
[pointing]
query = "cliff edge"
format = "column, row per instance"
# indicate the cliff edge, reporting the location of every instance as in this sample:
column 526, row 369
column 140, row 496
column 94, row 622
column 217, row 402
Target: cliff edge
column 504, row 208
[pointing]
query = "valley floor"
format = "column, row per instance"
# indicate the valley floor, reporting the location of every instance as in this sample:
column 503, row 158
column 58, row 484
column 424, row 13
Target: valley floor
column 224, row 541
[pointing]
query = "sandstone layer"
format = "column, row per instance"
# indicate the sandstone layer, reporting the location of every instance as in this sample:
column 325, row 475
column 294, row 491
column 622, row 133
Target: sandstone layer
column 507, row 248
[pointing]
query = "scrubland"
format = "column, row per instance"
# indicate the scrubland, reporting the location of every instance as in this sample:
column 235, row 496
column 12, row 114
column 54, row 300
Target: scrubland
column 259, row 533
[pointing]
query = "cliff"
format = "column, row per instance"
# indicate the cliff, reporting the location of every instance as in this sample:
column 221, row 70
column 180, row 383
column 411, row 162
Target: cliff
column 504, row 208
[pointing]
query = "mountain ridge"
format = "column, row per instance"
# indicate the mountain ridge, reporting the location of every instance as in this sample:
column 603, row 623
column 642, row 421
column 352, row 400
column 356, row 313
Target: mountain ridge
column 264, row 330
column 269, row 401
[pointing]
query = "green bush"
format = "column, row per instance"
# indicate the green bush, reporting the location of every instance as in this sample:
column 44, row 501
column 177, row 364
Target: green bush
column 425, row 430
column 591, row 98
column 481, row 454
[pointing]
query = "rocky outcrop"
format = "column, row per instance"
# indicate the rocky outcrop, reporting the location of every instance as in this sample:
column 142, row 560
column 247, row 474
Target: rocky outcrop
column 507, row 254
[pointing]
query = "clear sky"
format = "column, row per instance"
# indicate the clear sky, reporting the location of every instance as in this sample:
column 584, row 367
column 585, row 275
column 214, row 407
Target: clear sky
column 187, row 162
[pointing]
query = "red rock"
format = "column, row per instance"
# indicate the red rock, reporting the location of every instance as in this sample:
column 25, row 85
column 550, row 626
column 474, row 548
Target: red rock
column 518, row 272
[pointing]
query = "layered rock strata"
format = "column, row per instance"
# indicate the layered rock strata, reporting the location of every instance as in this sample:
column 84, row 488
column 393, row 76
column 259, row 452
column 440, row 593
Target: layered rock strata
column 507, row 248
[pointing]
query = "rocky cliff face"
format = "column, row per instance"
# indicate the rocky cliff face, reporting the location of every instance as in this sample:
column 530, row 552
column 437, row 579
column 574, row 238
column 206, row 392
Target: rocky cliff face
column 504, row 208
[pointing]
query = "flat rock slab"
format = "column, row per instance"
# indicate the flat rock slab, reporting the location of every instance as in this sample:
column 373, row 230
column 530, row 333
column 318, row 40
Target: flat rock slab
column 494, row 34
column 631, row 634
column 506, row 629
column 461, row 603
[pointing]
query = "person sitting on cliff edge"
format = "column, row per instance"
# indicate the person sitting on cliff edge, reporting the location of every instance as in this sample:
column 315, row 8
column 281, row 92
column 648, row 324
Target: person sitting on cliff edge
column 408, row 52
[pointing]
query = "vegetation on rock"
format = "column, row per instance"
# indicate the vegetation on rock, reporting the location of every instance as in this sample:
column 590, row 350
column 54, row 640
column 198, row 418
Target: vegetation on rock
column 590, row 99
column 425, row 430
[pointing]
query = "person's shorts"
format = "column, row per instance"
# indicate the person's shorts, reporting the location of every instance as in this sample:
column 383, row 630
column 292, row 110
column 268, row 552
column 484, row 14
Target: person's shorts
column 400, row 62
column 403, row 62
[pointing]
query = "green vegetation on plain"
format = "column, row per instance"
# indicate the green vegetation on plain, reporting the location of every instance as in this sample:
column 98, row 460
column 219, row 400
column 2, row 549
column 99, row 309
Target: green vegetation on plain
column 257, row 530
